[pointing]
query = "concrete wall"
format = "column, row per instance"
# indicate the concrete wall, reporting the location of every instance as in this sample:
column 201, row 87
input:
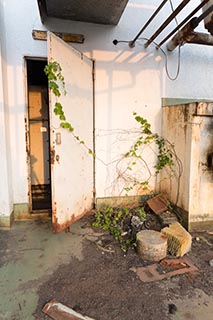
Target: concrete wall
column 189, row 127
column 127, row 80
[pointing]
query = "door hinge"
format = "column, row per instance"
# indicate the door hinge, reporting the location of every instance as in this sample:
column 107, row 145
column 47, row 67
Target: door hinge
column 52, row 156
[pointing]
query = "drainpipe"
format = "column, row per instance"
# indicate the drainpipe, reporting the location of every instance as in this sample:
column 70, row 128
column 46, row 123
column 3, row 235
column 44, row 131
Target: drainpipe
column 165, row 24
column 187, row 32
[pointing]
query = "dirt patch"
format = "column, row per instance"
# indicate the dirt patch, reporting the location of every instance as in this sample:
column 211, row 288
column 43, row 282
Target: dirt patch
column 103, row 287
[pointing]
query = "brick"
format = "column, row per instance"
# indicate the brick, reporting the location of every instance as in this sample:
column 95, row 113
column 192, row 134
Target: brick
column 158, row 204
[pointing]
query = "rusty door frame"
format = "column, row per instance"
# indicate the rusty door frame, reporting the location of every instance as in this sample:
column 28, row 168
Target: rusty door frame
column 27, row 131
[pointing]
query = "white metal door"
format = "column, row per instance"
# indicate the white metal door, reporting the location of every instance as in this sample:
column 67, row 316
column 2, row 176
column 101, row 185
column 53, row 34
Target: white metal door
column 72, row 165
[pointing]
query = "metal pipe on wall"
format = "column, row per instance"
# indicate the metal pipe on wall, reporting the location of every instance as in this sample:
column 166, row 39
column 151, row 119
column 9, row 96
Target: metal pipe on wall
column 168, row 20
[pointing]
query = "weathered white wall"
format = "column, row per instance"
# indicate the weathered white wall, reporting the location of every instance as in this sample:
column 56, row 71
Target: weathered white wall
column 127, row 80
column 6, row 205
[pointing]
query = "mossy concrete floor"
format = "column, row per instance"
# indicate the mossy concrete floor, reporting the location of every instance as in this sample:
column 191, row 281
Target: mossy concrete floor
column 29, row 253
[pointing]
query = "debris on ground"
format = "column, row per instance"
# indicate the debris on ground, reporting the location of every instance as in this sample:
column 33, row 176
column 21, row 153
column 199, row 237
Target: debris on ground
column 167, row 217
column 211, row 263
column 179, row 240
column 151, row 245
column 59, row 311
column 158, row 204
column 165, row 269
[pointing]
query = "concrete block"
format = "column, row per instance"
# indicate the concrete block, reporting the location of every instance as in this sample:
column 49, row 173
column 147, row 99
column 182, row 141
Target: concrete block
column 179, row 240
column 151, row 245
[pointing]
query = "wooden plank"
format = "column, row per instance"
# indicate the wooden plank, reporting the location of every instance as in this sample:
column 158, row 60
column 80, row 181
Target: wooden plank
column 67, row 37
column 59, row 311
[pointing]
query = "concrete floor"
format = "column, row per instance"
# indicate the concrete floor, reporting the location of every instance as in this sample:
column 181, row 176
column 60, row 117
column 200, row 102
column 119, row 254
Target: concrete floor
column 29, row 253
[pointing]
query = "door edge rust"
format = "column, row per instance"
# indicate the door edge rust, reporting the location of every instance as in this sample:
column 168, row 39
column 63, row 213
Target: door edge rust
column 58, row 227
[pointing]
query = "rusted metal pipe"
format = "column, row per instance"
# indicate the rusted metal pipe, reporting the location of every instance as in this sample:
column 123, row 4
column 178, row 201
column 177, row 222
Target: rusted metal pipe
column 200, row 38
column 132, row 43
column 181, row 36
column 168, row 20
column 182, row 23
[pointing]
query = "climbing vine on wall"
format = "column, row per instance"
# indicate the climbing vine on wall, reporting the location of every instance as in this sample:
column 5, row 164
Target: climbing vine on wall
column 145, row 137
column 56, row 84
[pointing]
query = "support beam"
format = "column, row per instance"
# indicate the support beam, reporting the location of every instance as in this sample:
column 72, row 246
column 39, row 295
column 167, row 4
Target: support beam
column 67, row 37
column 187, row 31
column 182, row 23
column 200, row 38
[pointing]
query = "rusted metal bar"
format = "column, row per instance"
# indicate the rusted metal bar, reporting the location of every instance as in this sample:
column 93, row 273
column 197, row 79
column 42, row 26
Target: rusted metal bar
column 182, row 23
column 165, row 24
column 181, row 37
column 205, row 14
column 132, row 43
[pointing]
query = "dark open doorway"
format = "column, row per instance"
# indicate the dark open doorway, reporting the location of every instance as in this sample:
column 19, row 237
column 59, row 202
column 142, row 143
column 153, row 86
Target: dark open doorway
column 39, row 136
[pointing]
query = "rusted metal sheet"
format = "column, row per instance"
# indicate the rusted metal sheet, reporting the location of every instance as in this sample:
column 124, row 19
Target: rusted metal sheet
column 71, row 164
column 165, row 269
column 59, row 311
column 67, row 37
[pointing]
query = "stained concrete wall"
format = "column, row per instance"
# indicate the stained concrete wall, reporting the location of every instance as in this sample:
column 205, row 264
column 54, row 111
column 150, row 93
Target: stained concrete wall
column 189, row 127
column 127, row 80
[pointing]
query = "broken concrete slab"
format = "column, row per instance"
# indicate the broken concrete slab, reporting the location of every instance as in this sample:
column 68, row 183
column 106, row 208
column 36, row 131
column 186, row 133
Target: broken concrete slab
column 179, row 240
column 59, row 311
column 165, row 269
column 158, row 204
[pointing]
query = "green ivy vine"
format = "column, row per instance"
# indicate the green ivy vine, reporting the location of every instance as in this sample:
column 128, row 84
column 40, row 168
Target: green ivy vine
column 165, row 153
column 56, row 81
column 165, row 150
